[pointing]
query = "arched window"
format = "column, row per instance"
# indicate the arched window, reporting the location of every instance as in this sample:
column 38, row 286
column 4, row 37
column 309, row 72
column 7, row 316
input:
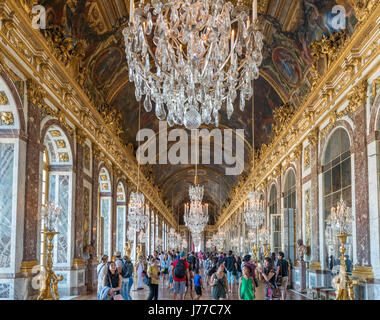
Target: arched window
column 57, row 187
column 275, row 219
column 120, row 218
column 12, row 157
column 105, row 218
column 336, row 170
column 290, row 214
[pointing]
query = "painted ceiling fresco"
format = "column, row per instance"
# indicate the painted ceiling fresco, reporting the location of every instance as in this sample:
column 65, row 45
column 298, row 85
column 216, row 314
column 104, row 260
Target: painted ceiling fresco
column 289, row 26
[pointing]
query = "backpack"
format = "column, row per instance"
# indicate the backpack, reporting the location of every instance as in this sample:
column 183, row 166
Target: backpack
column 127, row 269
column 180, row 270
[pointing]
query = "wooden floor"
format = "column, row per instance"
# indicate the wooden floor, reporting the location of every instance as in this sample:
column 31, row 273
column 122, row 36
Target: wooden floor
column 165, row 294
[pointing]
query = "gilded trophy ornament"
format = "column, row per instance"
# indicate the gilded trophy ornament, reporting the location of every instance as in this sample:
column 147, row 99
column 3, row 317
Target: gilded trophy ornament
column 3, row 98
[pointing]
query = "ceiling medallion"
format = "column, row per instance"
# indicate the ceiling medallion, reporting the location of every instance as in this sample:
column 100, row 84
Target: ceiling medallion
column 188, row 58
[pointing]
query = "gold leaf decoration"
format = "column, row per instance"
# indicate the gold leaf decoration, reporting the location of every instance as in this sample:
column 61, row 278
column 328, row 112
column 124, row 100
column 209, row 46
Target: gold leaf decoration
column 61, row 143
column 7, row 118
column 64, row 157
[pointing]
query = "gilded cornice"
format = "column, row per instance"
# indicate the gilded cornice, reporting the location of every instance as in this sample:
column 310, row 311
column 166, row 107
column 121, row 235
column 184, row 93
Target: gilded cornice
column 329, row 86
column 29, row 51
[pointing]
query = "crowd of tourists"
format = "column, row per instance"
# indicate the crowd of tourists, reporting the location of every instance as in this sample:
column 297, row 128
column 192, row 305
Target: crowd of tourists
column 187, row 274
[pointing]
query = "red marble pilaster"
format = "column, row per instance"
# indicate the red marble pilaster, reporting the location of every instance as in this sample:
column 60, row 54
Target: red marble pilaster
column 299, row 198
column 359, row 148
column 314, row 204
column 95, row 203
column 32, row 184
column 79, row 202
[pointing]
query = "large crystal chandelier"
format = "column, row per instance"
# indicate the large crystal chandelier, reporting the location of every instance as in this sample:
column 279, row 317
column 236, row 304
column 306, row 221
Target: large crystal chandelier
column 254, row 212
column 190, row 57
column 196, row 213
column 138, row 214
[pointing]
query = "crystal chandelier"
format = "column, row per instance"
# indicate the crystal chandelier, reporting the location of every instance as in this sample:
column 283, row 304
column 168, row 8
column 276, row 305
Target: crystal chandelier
column 341, row 218
column 172, row 239
column 50, row 213
column 192, row 57
column 264, row 236
column 196, row 213
column 254, row 212
column 138, row 215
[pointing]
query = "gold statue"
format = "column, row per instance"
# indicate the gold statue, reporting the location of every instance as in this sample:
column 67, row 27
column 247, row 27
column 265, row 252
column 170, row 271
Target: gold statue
column 127, row 249
column 254, row 253
column 266, row 247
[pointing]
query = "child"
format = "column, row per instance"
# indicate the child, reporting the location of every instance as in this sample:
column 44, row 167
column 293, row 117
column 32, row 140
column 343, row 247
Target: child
column 246, row 285
column 171, row 276
column 198, row 284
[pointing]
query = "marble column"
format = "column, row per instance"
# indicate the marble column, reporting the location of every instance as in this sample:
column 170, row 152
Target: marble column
column 359, row 148
column 32, row 186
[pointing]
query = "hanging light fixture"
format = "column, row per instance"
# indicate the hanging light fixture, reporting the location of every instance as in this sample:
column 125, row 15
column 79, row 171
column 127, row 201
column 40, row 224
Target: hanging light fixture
column 192, row 57
column 254, row 212
column 138, row 213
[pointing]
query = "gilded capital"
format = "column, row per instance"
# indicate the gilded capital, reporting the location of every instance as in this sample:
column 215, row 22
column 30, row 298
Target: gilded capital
column 81, row 136
column 36, row 94
column 313, row 136
column 358, row 95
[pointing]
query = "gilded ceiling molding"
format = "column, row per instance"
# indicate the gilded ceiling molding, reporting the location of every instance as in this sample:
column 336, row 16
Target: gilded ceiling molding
column 64, row 88
column 80, row 136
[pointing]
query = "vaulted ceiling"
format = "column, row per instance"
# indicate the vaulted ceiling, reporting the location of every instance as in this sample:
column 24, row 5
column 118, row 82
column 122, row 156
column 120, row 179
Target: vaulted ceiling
column 289, row 26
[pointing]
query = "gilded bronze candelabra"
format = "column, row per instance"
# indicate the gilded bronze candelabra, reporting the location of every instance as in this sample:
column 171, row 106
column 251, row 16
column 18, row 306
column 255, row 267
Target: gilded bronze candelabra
column 127, row 249
column 254, row 253
column 49, row 281
column 342, row 283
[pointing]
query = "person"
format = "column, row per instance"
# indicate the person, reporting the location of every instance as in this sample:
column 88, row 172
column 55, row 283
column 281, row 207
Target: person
column 207, row 267
column 231, row 267
column 101, row 271
column 113, row 280
column 246, row 285
column 170, row 286
column 219, row 284
column 198, row 284
column 118, row 261
column 239, row 271
column 189, row 281
column 247, row 261
column 268, row 273
column 154, row 275
column 140, row 269
column 274, row 260
column 282, row 274
column 164, row 267
column 192, row 259
column 127, row 278
column 180, row 272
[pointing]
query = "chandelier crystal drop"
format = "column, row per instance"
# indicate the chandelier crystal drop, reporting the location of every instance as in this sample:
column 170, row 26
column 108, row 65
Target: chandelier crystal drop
column 138, row 215
column 254, row 212
column 188, row 58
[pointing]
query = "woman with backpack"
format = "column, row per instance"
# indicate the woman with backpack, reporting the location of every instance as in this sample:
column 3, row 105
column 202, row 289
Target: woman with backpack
column 127, row 276
column 219, row 284
column 154, row 276
column 268, row 273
